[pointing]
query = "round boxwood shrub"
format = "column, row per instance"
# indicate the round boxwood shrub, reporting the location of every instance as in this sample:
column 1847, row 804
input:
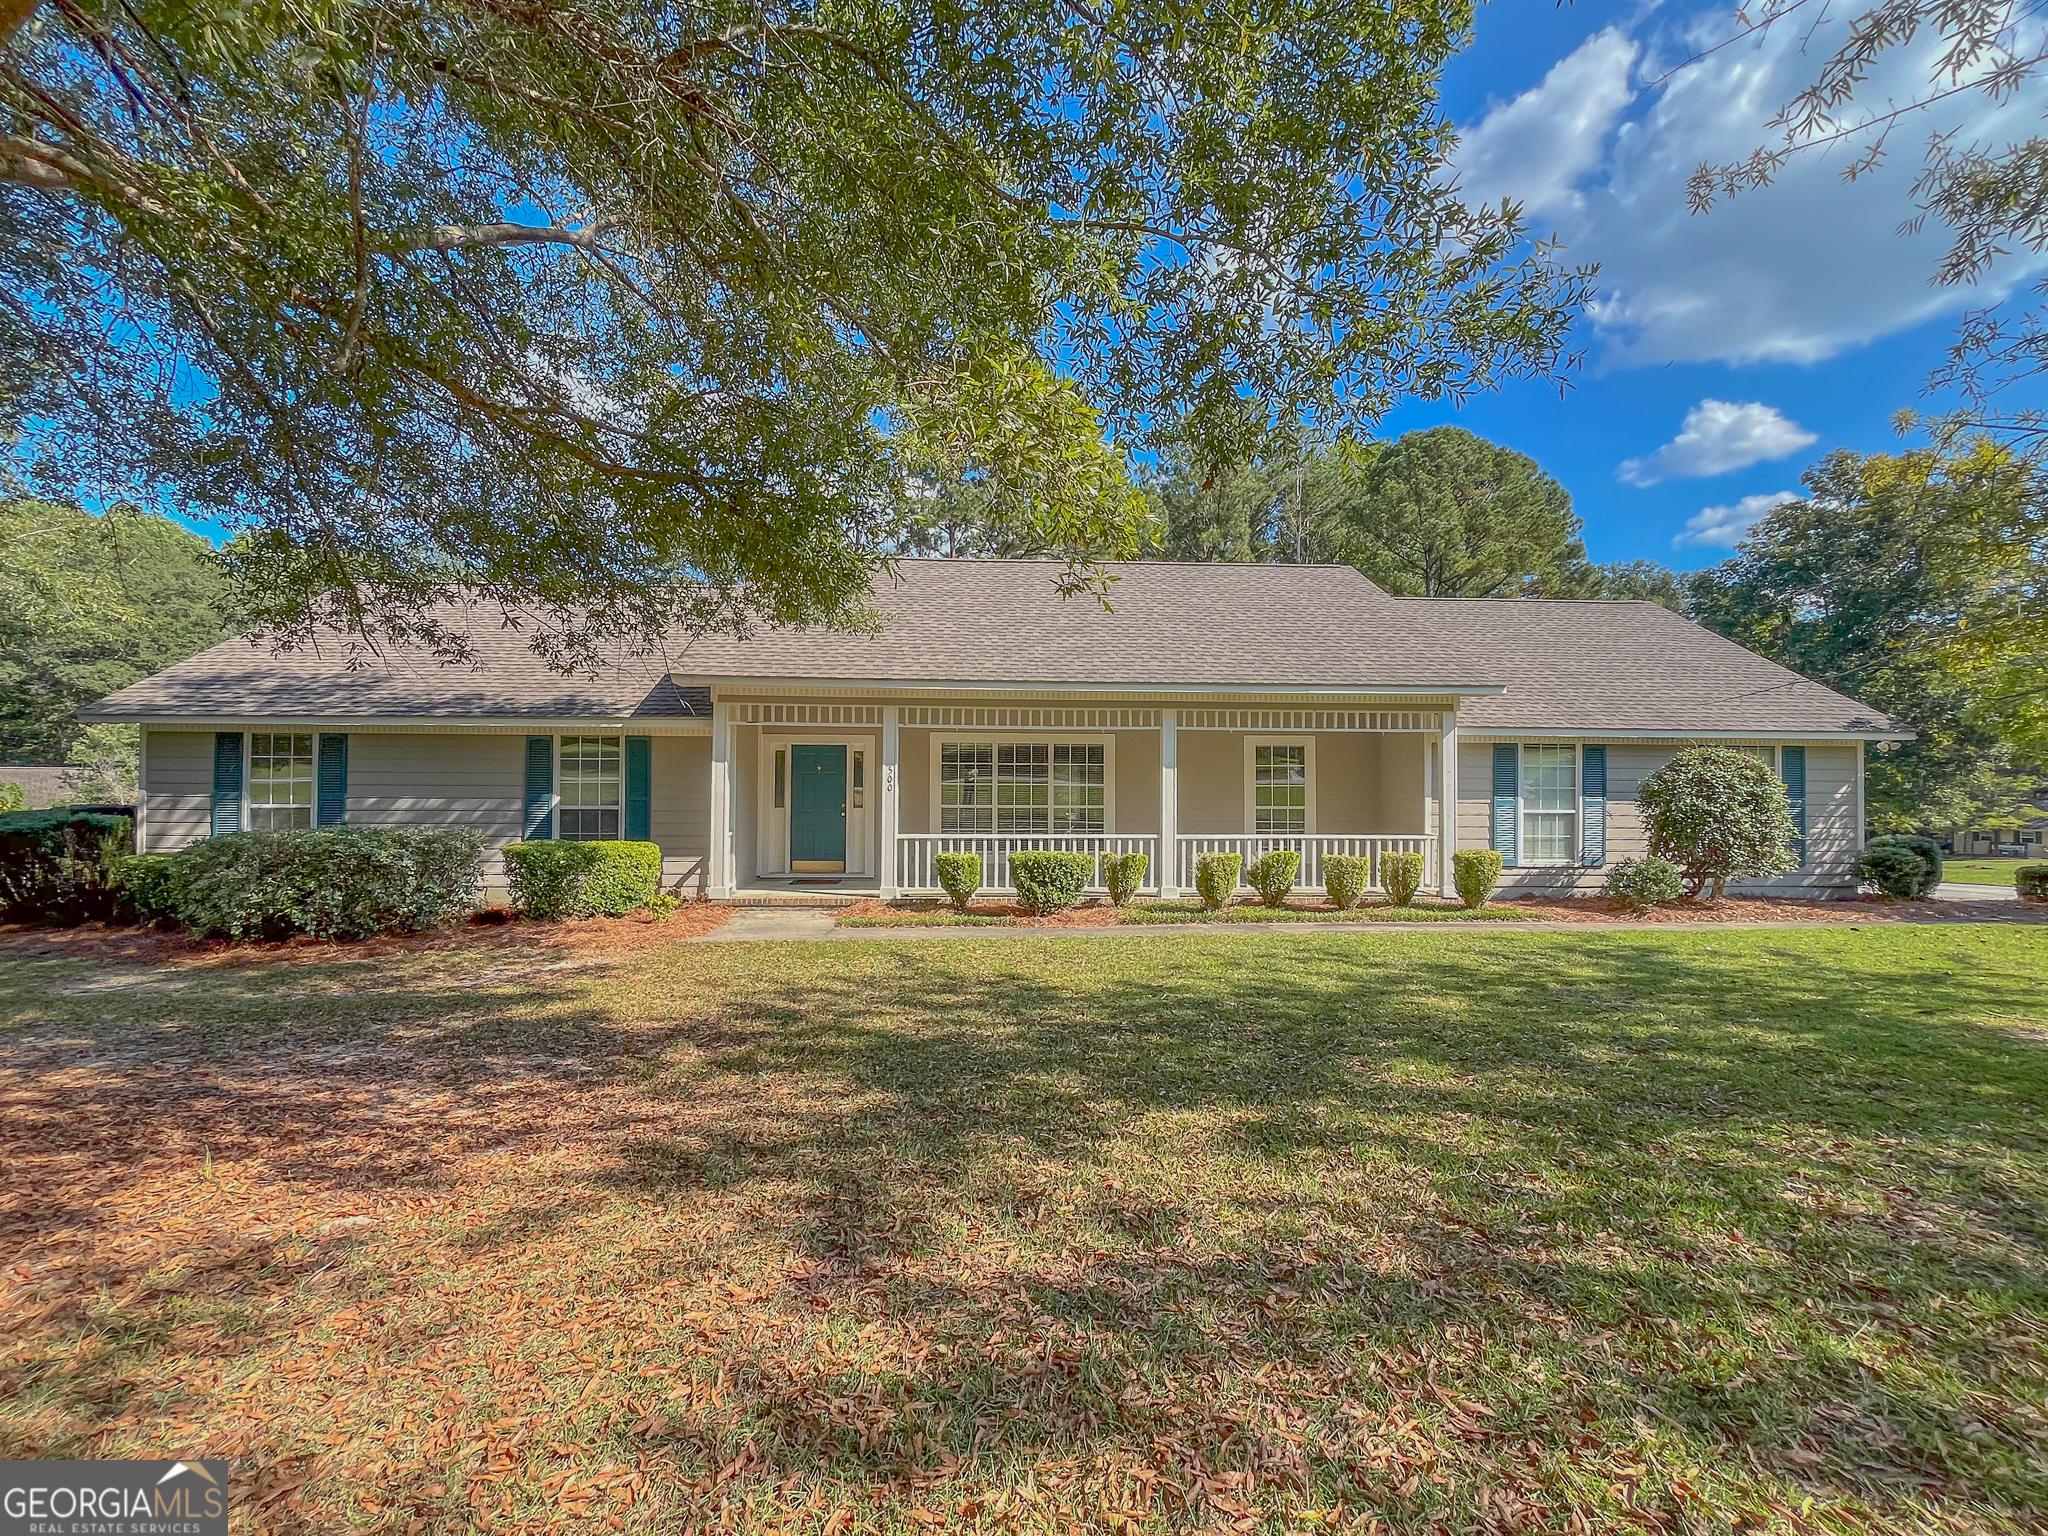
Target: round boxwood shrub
column 1475, row 872
column 1047, row 881
column 1640, row 884
column 1216, row 878
column 1345, row 878
column 558, row 879
column 2032, row 882
column 329, row 882
column 959, row 876
column 1122, row 874
column 1401, row 877
column 1719, row 815
column 1925, row 849
column 1896, row 872
column 1273, row 876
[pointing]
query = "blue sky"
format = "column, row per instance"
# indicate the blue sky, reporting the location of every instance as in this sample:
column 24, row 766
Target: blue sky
column 1799, row 308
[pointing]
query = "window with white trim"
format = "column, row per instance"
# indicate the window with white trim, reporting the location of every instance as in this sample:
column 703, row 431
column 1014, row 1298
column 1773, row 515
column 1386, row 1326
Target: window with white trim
column 590, row 780
column 1550, row 805
column 1280, row 787
column 280, row 780
column 1023, row 786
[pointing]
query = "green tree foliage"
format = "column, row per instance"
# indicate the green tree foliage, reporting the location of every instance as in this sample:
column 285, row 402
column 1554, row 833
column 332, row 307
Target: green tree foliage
column 1642, row 581
column 1899, row 580
column 88, row 605
column 628, row 317
column 1445, row 513
column 1283, row 509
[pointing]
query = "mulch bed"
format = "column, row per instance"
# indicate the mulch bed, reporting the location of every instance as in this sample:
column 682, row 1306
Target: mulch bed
column 486, row 932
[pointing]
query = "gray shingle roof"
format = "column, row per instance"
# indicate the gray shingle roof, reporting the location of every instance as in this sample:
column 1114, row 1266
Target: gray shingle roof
column 1587, row 666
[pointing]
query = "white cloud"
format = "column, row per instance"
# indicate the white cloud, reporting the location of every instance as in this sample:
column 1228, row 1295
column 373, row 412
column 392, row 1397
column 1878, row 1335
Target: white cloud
column 1795, row 272
column 1717, row 436
column 1725, row 526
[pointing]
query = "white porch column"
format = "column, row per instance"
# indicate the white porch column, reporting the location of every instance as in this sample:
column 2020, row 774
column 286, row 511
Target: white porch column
column 891, row 812
column 718, row 879
column 1447, row 802
column 1169, row 804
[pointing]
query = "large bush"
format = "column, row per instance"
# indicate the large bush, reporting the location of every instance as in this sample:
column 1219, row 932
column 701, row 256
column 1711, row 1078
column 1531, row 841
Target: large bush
column 1345, row 878
column 1896, row 872
column 61, row 866
column 1049, row 882
column 1719, row 815
column 2032, row 882
column 1216, row 878
column 959, row 876
column 1401, row 876
column 1925, row 849
column 1474, row 874
column 1640, row 884
column 1122, row 874
column 329, row 882
column 1273, row 876
column 557, row 878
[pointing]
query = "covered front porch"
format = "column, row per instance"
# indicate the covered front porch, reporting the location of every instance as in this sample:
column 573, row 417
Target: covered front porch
column 855, row 797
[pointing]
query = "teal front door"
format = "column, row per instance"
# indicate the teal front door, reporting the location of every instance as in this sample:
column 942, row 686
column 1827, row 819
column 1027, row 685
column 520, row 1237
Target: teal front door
column 817, row 809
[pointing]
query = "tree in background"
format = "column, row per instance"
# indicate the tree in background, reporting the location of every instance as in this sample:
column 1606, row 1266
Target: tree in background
column 1878, row 584
column 627, row 318
column 1445, row 513
column 1642, row 581
column 1284, row 509
column 88, row 605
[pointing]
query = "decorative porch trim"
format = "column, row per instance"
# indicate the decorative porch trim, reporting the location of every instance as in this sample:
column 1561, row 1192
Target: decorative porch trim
column 968, row 717
column 806, row 714
column 1375, row 720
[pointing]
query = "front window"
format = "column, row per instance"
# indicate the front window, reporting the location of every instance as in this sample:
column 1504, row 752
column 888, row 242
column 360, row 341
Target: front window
column 1280, row 787
column 1550, row 804
column 280, row 780
column 590, row 789
column 1023, row 786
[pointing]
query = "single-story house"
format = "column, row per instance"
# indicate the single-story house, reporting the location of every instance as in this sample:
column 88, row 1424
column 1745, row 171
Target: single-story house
column 1206, row 707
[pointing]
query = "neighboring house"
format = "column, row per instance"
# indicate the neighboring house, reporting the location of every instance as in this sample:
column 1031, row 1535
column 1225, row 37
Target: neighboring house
column 1210, row 707
column 2030, row 837
column 41, row 784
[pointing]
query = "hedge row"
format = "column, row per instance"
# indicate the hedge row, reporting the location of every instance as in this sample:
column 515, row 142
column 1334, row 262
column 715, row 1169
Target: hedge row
column 597, row 879
column 62, row 865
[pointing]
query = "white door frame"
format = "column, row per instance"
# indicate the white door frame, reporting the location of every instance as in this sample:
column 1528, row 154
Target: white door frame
column 863, row 821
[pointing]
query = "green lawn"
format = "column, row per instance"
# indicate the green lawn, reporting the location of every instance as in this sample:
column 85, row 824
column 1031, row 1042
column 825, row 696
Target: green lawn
column 1463, row 1231
column 1985, row 871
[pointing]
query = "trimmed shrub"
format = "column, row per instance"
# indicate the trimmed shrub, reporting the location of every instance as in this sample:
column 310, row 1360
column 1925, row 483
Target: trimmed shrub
column 1719, row 815
column 1122, row 874
column 557, row 879
column 61, row 865
column 2032, row 882
column 663, row 905
column 1273, row 876
column 1896, row 872
column 1640, row 884
column 1475, row 872
column 1401, row 877
column 1925, row 849
column 1346, row 877
column 1216, row 878
column 329, row 882
column 146, row 886
column 959, row 876
column 1048, row 881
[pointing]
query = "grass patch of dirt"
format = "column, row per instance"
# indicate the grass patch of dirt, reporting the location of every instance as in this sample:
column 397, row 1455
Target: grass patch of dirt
column 1580, row 1232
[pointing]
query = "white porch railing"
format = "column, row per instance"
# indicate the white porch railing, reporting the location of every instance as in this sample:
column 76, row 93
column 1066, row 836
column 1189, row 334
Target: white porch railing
column 917, row 853
column 1313, row 851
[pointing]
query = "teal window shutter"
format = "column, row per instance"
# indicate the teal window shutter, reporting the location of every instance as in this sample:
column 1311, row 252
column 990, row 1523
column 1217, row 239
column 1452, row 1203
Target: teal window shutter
column 1792, row 769
column 1507, row 762
column 227, row 783
column 540, row 788
column 1593, row 795
column 332, row 794
column 639, row 776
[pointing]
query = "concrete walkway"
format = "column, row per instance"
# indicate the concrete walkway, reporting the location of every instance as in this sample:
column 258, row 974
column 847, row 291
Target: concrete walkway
column 1957, row 890
column 811, row 925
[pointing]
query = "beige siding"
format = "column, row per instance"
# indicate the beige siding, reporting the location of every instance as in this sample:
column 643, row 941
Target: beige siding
column 1211, row 782
column 917, row 791
column 1363, row 783
column 1403, row 790
column 179, row 806
column 746, row 801
column 406, row 780
column 679, row 815
column 1831, row 837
